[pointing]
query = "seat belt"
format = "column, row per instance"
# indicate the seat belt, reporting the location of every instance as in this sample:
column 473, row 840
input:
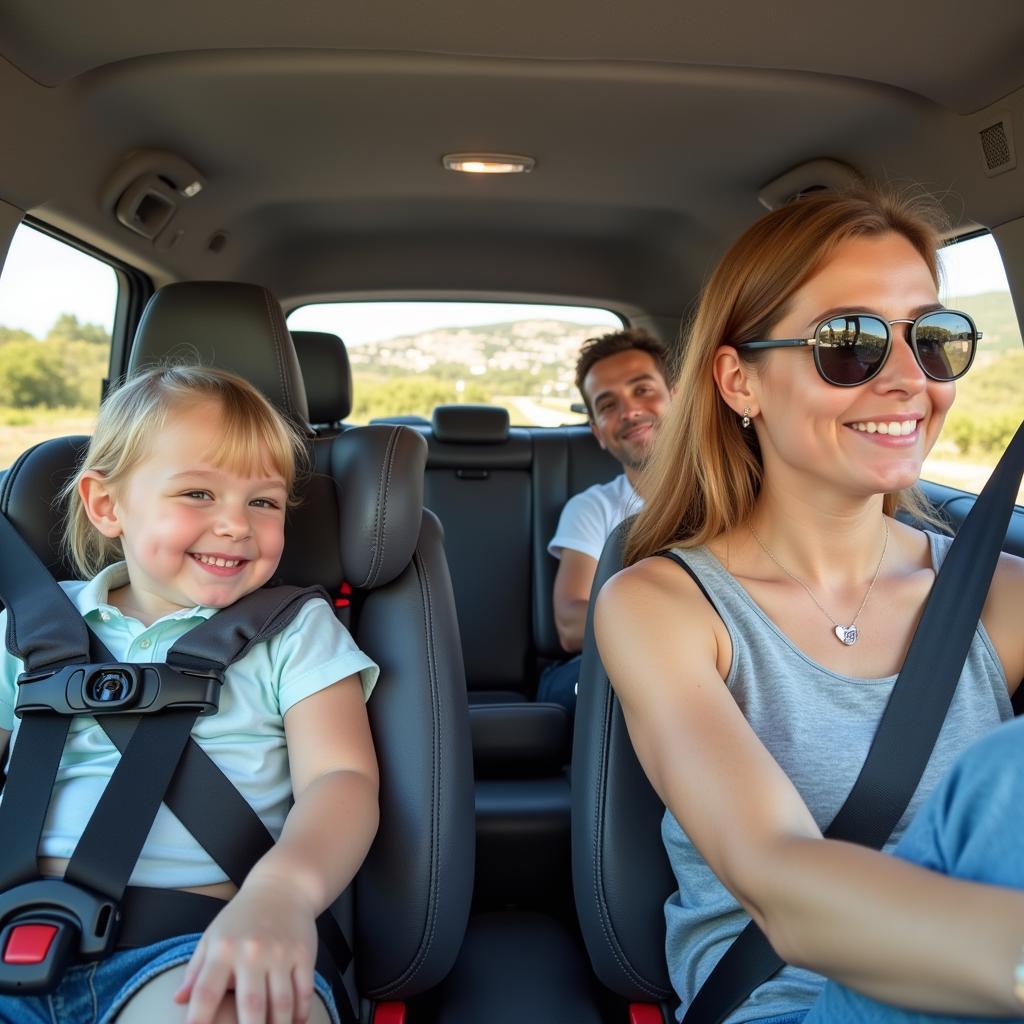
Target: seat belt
column 909, row 725
column 69, row 672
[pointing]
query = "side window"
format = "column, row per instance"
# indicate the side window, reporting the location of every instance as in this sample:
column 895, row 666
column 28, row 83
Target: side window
column 57, row 308
column 408, row 357
column 990, row 398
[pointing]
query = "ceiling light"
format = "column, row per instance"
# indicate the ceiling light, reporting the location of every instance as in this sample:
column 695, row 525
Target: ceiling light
column 488, row 163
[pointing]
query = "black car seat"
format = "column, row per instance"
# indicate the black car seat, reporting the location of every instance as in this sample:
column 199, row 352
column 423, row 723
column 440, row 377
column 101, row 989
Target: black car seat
column 621, row 874
column 327, row 376
column 362, row 521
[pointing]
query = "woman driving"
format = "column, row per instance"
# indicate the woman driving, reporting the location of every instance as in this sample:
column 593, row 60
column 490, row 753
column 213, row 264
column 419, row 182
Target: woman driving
column 817, row 375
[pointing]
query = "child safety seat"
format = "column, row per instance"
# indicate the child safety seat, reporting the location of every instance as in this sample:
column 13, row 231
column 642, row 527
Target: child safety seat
column 360, row 519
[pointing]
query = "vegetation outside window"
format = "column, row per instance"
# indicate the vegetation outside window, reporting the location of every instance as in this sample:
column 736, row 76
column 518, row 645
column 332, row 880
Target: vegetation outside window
column 990, row 399
column 57, row 308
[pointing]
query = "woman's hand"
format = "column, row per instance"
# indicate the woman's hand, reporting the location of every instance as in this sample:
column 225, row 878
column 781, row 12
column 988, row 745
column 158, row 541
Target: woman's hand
column 263, row 946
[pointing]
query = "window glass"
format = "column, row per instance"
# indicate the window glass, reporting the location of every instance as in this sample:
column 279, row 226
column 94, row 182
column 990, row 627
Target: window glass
column 408, row 357
column 990, row 398
column 57, row 308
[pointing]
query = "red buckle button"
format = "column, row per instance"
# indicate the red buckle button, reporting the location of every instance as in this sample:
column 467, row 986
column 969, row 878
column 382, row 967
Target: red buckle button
column 29, row 943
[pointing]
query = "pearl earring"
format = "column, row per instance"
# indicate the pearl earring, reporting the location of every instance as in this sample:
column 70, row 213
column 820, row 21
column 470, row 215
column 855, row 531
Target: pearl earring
column 746, row 417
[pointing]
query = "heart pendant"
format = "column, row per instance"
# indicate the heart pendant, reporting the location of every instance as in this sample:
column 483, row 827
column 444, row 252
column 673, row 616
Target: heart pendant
column 847, row 635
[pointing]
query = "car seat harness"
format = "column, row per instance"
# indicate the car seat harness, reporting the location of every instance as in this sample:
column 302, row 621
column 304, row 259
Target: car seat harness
column 147, row 711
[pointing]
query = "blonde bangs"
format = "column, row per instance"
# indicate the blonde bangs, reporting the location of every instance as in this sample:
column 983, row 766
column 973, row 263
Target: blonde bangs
column 256, row 442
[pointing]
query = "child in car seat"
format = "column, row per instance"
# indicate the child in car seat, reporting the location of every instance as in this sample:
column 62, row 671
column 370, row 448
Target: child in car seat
column 818, row 372
column 178, row 512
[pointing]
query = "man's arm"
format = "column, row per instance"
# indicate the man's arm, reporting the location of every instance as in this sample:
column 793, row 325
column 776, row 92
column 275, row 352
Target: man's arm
column 571, row 596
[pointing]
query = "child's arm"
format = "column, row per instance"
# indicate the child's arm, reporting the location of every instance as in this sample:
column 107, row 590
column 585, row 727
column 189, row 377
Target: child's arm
column 263, row 944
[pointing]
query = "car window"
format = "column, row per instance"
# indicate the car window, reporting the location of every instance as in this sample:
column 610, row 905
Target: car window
column 408, row 357
column 57, row 307
column 990, row 401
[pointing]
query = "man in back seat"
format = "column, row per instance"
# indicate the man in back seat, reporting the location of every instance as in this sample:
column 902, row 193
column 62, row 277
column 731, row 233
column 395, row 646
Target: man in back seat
column 624, row 380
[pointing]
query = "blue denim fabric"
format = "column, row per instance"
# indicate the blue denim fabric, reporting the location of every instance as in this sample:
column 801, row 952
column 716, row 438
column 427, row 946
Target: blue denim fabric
column 970, row 827
column 96, row 993
column 557, row 684
column 785, row 1018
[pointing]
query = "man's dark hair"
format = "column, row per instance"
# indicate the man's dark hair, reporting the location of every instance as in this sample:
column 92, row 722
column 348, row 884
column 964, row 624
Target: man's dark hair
column 596, row 349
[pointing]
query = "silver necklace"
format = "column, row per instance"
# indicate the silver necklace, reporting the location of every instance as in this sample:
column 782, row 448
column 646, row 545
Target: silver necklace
column 845, row 634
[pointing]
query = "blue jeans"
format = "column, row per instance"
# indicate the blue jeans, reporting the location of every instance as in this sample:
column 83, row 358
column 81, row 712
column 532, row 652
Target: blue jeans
column 557, row 683
column 96, row 993
column 970, row 827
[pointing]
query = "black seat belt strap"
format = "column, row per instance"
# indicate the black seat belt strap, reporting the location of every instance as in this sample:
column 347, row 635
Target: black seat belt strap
column 47, row 631
column 909, row 725
column 112, row 840
column 37, row 612
column 33, row 766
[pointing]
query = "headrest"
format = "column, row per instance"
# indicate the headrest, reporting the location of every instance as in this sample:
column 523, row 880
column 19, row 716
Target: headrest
column 379, row 470
column 327, row 374
column 470, row 424
column 28, row 497
column 373, row 503
column 236, row 327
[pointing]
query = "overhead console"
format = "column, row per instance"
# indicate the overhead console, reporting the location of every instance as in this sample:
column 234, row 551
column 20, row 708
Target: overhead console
column 147, row 191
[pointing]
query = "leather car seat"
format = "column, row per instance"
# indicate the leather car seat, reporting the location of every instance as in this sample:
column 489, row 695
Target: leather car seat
column 621, row 874
column 360, row 519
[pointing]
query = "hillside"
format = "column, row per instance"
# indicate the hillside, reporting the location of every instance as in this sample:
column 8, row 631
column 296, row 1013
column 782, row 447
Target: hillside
column 526, row 353
column 995, row 317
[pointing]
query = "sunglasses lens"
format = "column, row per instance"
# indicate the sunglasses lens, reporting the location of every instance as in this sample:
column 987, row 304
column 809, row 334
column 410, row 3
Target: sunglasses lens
column 945, row 344
column 851, row 349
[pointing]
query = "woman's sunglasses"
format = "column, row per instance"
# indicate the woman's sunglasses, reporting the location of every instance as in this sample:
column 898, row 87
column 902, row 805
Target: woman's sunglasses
column 851, row 348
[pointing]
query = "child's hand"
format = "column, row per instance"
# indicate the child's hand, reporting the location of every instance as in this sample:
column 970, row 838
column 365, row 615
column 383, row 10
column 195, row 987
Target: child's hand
column 263, row 946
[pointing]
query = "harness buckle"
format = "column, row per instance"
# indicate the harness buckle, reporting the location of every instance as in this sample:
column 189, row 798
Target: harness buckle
column 118, row 688
column 45, row 927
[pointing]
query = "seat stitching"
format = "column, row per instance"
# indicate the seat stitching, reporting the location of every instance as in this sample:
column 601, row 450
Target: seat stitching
column 432, row 908
column 600, row 897
column 381, row 517
column 278, row 351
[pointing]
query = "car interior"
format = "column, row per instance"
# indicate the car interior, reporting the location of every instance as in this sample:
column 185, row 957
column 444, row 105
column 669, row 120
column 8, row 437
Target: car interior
column 234, row 163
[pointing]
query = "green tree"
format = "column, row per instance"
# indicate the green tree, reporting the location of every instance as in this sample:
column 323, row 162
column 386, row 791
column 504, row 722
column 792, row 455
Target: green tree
column 52, row 374
column 67, row 328
column 14, row 334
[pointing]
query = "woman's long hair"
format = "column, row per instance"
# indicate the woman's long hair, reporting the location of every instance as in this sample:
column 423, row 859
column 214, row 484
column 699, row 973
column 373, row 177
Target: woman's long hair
column 704, row 474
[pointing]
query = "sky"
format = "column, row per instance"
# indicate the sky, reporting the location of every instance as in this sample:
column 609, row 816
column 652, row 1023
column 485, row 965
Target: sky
column 43, row 278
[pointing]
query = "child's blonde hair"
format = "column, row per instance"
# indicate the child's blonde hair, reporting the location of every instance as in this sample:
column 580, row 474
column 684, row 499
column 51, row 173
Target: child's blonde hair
column 253, row 431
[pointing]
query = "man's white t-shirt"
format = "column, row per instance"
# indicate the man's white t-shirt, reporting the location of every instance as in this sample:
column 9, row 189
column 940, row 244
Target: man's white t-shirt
column 590, row 516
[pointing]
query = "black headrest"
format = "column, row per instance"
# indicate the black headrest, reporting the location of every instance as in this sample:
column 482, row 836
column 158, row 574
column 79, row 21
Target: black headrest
column 233, row 326
column 29, row 498
column 327, row 374
column 470, row 424
column 360, row 523
column 380, row 473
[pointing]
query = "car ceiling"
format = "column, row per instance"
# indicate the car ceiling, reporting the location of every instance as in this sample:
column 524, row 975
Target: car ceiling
column 318, row 129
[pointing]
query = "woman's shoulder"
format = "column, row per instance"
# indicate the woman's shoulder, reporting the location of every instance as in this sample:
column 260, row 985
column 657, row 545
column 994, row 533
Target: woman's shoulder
column 653, row 594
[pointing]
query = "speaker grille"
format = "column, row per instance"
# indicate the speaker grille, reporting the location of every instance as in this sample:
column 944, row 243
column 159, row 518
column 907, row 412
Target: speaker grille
column 997, row 147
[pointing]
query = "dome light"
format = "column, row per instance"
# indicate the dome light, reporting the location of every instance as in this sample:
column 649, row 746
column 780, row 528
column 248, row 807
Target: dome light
column 488, row 163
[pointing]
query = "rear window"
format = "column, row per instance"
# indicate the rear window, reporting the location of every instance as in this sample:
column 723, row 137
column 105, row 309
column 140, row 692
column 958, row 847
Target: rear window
column 57, row 307
column 990, row 398
column 408, row 357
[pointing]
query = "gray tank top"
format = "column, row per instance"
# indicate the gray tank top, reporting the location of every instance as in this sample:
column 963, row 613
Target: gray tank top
column 818, row 725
